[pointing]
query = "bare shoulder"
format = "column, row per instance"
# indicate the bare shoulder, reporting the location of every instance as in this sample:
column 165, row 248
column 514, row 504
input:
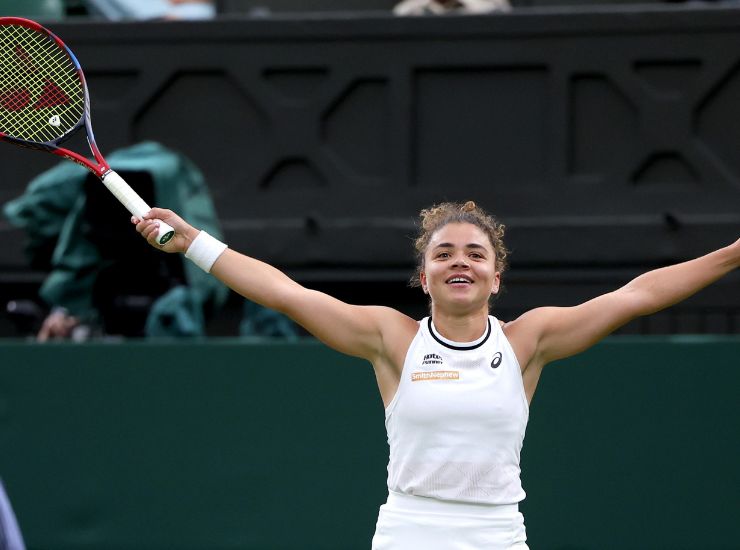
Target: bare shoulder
column 529, row 323
column 397, row 330
column 523, row 333
column 394, row 324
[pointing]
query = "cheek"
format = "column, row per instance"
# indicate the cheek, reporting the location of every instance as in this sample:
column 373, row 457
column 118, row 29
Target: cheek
column 435, row 274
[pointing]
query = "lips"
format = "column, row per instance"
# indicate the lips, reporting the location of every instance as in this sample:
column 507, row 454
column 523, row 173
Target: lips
column 459, row 279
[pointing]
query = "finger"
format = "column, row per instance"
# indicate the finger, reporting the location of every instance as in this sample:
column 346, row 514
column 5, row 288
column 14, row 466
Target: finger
column 151, row 230
column 152, row 214
column 143, row 225
column 157, row 213
column 145, row 229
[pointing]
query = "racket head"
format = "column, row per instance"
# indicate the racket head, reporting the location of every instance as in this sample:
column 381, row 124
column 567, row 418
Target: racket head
column 43, row 94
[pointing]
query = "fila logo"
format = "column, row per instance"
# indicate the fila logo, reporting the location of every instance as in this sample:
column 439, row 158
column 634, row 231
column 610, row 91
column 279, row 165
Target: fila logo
column 496, row 360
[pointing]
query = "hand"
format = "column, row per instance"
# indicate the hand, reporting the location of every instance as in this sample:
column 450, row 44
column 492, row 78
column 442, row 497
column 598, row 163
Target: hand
column 184, row 232
column 57, row 325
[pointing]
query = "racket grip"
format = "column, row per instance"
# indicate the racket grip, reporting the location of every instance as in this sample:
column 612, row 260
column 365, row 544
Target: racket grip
column 134, row 203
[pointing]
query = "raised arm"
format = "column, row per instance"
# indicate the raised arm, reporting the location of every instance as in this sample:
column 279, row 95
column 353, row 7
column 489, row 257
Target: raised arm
column 549, row 333
column 360, row 331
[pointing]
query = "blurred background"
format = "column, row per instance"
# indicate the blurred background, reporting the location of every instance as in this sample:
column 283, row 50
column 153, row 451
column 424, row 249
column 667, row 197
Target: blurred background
column 309, row 134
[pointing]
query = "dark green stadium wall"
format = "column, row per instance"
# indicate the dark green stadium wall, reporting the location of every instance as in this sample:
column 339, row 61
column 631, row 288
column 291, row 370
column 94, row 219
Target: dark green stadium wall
column 224, row 445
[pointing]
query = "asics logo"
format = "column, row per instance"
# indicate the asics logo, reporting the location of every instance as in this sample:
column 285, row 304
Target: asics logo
column 496, row 360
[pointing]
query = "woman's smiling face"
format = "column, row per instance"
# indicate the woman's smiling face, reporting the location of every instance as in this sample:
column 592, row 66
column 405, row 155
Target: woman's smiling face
column 460, row 267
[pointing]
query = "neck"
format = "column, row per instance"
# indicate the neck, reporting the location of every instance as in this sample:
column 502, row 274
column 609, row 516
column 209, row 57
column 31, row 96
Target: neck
column 460, row 328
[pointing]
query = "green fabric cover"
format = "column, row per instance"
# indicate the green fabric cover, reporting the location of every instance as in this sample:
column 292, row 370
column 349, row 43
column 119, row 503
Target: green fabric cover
column 51, row 213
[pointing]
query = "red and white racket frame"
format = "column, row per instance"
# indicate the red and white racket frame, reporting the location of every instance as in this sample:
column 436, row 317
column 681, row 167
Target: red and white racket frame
column 113, row 181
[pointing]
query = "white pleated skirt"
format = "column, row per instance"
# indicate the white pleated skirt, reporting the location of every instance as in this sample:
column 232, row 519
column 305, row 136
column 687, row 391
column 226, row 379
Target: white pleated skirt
column 408, row 522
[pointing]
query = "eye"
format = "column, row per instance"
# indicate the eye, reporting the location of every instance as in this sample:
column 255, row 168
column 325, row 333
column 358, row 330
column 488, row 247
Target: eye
column 443, row 255
column 476, row 255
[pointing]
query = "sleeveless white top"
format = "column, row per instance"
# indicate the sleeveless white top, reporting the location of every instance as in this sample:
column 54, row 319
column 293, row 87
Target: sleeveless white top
column 456, row 424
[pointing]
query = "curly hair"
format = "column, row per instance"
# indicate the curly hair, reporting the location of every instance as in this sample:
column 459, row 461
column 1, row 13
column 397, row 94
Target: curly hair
column 435, row 218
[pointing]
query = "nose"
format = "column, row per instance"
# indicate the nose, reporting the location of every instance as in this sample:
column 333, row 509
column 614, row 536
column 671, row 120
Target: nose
column 460, row 261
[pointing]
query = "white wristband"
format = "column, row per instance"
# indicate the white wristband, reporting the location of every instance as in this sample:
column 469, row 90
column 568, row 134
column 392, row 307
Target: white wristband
column 205, row 250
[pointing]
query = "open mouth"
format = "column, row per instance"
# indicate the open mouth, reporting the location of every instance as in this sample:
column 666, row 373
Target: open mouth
column 459, row 279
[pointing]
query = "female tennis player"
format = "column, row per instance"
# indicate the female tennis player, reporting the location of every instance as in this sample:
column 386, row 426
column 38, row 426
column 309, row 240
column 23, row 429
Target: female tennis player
column 456, row 385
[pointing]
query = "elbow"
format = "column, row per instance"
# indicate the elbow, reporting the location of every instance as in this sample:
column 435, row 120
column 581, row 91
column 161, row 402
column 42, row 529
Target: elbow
column 638, row 302
column 285, row 300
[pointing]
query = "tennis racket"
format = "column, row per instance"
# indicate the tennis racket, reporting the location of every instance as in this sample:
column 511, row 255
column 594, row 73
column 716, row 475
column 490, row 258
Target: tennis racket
column 44, row 101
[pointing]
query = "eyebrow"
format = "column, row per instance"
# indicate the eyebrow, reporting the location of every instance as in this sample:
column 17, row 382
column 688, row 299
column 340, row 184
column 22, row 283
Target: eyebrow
column 470, row 245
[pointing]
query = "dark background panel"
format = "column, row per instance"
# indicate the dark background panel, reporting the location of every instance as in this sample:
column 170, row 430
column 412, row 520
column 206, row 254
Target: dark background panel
column 602, row 138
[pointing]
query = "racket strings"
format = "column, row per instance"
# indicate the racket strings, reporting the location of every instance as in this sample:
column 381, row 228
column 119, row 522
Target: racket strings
column 41, row 93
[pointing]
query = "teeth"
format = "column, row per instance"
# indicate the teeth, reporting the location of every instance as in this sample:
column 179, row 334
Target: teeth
column 458, row 280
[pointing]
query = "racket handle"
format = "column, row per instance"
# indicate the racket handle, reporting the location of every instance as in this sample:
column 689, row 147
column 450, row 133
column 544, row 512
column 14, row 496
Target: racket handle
column 134, row 203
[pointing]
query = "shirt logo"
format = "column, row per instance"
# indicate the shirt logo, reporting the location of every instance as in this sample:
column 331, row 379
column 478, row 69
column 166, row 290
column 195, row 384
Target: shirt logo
column 431, row 359
column 434, row 360
column 496, row 360
column 435, row 375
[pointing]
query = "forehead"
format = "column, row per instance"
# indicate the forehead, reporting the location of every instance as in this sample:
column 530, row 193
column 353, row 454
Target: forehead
column 460, row 235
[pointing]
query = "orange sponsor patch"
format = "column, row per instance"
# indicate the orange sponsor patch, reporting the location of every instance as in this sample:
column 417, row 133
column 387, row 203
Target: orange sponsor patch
column 435, row 375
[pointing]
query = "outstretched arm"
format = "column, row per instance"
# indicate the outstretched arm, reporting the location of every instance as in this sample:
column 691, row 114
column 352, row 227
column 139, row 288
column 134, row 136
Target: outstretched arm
column 556, row 332
column 354, row 330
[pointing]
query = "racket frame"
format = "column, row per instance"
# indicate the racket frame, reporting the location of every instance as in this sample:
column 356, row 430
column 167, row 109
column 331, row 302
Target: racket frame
column 100, row 167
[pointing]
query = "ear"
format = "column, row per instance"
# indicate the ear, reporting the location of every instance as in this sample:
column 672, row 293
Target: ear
column 496, row 283
column 423, row 280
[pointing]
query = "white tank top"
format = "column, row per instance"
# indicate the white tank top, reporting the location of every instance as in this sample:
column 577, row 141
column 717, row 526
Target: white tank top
column 456, row 424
